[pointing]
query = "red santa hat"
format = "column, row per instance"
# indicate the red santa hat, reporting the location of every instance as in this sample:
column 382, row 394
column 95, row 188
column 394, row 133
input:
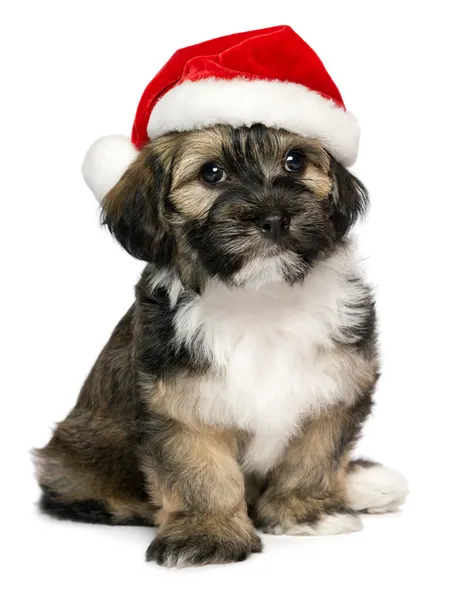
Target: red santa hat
column 268, row 76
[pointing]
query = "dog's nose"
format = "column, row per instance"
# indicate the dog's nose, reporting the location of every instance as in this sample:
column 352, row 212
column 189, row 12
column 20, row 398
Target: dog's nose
column 273, row 225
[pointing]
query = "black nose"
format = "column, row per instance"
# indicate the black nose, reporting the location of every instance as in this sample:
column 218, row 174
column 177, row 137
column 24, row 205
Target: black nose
column 274, row 225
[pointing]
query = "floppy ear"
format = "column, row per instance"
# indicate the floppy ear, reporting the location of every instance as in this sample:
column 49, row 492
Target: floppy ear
column 349, row 200
column 133, row 209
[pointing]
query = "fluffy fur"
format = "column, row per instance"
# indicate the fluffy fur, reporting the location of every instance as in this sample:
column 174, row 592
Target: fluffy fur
column 329, row 525
column 276, row 347
column 231, row 394
column 373, row 488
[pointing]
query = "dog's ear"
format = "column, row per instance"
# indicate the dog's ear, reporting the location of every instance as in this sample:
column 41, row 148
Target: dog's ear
column 349, row 198
column 133, row 210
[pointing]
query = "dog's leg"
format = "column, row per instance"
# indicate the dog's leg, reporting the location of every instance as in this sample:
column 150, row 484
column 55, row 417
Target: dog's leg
column 307, row 490
column 204, row 515
column 373, row 488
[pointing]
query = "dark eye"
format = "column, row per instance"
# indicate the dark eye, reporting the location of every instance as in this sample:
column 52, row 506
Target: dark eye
column 294, row 161
column 212, row 173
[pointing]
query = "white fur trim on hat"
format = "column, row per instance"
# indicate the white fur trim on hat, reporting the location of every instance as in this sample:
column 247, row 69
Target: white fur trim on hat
column 105, row 163
column 237, row 102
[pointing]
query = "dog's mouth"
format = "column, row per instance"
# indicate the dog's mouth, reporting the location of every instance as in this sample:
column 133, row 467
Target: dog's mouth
column 260, row 248
column 272, row 265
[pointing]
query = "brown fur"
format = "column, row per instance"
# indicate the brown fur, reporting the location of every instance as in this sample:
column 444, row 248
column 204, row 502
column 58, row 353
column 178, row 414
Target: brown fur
column 133, row 446
column 310, row 481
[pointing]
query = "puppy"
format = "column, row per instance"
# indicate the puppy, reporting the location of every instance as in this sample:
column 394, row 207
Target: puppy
column 231, row 394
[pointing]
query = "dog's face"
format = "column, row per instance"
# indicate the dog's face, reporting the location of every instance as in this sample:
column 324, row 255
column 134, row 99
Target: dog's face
column 248, row 205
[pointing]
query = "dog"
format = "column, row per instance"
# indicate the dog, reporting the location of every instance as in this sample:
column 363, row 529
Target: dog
column 230, row 396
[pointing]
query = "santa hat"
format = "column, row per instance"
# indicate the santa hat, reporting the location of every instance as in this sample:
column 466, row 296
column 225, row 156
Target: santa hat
column 268, row 76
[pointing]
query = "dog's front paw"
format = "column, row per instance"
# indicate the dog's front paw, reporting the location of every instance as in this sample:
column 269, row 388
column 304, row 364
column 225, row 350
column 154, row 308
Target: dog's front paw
column 305, row 516
column 323, row 525
column 183, row 542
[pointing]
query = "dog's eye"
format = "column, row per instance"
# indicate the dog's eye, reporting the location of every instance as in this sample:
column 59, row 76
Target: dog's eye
column 212, row 173
column 294, row 161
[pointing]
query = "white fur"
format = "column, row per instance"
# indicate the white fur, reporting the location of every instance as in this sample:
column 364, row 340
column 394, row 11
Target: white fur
column 106, row 161
column 262, row 271
column 166, row 279
column 376, row 489
column 272, row 352
column 328, row 525
column 199, row 104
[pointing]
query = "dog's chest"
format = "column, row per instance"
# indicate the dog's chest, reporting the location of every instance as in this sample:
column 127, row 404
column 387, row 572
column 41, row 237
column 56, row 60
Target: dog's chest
column 273, row 358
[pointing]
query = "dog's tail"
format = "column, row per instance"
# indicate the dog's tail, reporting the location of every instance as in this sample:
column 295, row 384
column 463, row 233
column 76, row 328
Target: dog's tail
column 84, row 511
column 373, row 488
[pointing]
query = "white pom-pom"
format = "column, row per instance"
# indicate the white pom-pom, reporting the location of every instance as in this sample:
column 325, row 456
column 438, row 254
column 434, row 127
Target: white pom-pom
column 106, row 161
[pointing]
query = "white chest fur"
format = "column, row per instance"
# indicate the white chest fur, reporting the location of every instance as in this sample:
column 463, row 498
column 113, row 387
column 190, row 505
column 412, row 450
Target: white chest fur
column 272, row 353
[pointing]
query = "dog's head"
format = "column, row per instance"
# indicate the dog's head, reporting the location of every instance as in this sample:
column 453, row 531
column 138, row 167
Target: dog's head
column 247, row 205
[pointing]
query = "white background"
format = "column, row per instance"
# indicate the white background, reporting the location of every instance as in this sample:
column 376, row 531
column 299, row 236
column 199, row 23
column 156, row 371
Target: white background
column 73, row 71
